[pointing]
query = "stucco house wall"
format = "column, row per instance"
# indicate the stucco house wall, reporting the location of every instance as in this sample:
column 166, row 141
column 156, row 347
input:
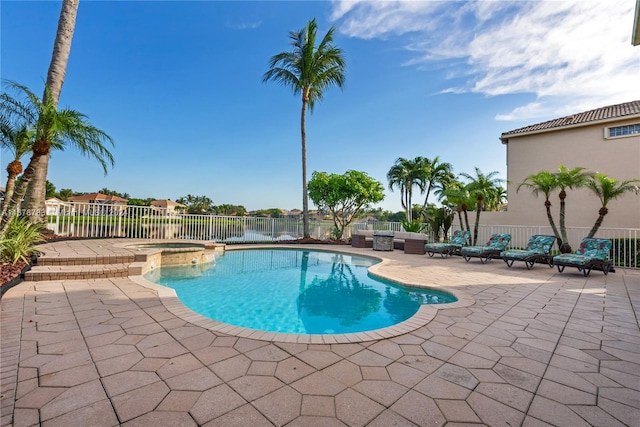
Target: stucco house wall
column 582, row 144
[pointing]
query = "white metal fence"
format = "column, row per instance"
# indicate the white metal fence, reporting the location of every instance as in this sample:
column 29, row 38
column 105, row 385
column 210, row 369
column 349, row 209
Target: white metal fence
column 104, row 220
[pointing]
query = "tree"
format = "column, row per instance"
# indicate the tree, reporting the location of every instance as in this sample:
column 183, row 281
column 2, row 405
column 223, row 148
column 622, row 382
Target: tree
column 196, row 204
column 65, row 193
column 496, row 198
column 543, row 182
column 568, row 178
column 50, row 190
column 232, row 210
column 268, row 213
column 607, row 189
column 480, row 185
column 344, row 195
column 405, row 174
column 397, row 216
column 435, row 175
column 440, row 219
column 55, row 130
column 309, row 71
column 458, row 196
column 18, row 140
column 35, row 196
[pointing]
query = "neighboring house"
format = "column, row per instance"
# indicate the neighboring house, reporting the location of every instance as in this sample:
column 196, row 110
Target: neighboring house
column 113, row 205
column 603, row 140
column 167, row 207
column 293, row 214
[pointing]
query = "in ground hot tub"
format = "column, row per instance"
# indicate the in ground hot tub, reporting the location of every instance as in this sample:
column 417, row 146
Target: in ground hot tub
column 158, row 254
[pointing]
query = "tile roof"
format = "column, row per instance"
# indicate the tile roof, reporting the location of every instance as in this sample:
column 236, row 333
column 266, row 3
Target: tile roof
column 165, row 203
column 96, row 196
column 603, row 113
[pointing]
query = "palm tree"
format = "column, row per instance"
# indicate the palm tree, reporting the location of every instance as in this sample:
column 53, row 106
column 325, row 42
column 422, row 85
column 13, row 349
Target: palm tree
column 436, row 174
column 405, row 174
column 607, row 189
column 55, row 130
column 543, row 182
column 309, row 71
column 65, row 193
column 35, row 194
column 196, row 204
column 17, row 140
column 496, row 198
column 480, row 186
column 458, row 196
column 568, row 178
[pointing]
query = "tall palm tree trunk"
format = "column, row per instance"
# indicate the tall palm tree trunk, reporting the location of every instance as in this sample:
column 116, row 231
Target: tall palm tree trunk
column 565, row 247
column 460, row 218
column 10, row 187
column 14, row 204
column 466, row 219
column 305, row 195
column 475, row 226
column 547, row 205
column 35, row 195
column 34, row 200
column 407, row 206
column 603, row 211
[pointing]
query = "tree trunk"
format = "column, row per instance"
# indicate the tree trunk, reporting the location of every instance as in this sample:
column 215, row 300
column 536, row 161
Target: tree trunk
column 35, row 195
column 305, row 197
column 460, row 218
column 603, row 211
column 20, row 190
column 13, row 170
column 34, row 200
column 466, row 219
column 547, row 205
column 426, row 199
column 565, row 247
column 62, row 48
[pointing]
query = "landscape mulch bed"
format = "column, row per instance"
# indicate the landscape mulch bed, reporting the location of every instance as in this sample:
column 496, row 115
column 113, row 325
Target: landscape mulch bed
column 11, row 275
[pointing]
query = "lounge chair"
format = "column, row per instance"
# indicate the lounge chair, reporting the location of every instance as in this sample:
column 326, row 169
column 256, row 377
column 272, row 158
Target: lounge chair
column 592, row 253
column 458, row 240
column 496, row 244
column 538, row 249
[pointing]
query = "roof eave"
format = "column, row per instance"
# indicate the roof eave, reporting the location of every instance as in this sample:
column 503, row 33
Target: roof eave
column 505, row 137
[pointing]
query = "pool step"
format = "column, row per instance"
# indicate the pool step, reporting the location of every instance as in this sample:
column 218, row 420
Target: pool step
column 92, row 260
column 76, row 272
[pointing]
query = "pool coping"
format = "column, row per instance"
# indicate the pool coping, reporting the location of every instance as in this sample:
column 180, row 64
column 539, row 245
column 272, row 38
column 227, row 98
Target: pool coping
column 422, row 317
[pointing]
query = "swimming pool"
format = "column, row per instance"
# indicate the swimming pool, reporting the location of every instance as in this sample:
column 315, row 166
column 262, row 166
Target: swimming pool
column 296, row 291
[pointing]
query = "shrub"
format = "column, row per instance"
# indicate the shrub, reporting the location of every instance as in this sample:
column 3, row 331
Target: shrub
column 19, row 241
column 413, row 226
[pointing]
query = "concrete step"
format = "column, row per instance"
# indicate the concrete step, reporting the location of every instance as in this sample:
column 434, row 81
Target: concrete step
column 76, row 272
column 91, row 260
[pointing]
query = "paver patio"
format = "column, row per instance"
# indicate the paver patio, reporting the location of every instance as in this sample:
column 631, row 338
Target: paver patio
column 530, row 348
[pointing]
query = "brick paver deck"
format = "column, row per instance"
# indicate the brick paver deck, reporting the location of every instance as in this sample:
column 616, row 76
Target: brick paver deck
column 527, row 348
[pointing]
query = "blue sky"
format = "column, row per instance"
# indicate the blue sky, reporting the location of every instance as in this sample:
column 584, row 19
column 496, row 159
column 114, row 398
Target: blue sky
column 178, row 86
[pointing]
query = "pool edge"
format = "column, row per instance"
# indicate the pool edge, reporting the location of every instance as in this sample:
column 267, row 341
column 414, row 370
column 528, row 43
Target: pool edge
column 422, row 317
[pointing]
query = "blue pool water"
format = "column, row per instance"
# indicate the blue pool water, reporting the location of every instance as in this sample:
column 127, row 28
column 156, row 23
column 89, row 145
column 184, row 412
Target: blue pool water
column 295, row 291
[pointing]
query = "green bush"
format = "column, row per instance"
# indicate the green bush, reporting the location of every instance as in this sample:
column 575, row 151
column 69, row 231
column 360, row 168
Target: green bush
column 413, row 226
column 20, row 240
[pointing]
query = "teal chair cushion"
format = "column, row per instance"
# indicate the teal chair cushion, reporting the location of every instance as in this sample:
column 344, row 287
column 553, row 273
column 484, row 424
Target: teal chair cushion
column 498, row 241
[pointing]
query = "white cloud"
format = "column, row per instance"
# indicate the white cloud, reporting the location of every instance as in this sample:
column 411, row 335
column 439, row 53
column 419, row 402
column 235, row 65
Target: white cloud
column 572, row 55
column 245, row 25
